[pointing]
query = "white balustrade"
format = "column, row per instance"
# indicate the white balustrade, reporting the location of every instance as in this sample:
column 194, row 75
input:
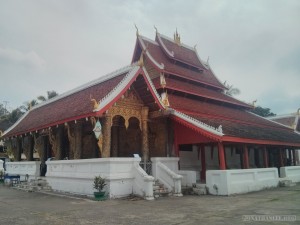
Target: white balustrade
column 165, row 170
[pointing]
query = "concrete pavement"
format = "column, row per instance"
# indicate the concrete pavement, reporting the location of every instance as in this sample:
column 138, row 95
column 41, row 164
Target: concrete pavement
column 21, row 208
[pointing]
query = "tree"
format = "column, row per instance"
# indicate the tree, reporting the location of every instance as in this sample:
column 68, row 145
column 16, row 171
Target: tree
column 231, row 90
column 28, row 105
column 50, row 94
column 264, row 112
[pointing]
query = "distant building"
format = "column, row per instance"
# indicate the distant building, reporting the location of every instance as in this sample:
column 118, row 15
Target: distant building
column 290, row 120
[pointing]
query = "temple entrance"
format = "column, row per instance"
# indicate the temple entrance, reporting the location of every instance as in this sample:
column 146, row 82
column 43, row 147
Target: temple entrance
column 125, row 141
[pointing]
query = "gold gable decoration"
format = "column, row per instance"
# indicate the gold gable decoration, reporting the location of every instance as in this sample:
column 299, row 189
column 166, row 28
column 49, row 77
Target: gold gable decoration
column 177, row 38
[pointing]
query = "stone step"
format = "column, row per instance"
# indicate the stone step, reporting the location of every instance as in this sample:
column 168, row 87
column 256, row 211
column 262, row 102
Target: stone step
column 286, row 183
column 159, row 190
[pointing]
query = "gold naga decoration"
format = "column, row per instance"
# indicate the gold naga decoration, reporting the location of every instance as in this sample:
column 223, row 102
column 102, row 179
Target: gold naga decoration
column 177, row 38
column 94, row 101
column 164, row 99
column 163, row 82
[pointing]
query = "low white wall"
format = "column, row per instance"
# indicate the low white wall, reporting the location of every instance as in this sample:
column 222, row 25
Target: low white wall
column 77, row 176
column 1, row 165
column 291, row 173
column 22, row 168
column 227, row 182
column 188, row 177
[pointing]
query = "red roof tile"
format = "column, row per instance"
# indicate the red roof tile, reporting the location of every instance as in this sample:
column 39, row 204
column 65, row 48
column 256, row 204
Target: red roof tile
column 206, row 76
column 199, row 91
column 181, row 52
column 67, row 108
column 235, row 122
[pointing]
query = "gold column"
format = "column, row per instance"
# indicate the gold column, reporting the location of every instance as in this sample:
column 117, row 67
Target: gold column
column 145, row 143
column 106, row 136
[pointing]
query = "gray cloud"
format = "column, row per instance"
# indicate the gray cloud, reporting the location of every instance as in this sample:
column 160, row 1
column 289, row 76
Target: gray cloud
column 253, row 45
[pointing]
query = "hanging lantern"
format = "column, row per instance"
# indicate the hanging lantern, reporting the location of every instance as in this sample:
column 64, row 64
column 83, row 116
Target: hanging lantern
column 98, row 129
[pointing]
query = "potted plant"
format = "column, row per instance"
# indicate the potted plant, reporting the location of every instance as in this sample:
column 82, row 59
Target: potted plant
column 1, row 176
column 99, row 184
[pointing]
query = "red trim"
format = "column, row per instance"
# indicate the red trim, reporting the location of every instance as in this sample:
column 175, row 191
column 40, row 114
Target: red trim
column 197, row 129
column 256, row 141
column 221, row 156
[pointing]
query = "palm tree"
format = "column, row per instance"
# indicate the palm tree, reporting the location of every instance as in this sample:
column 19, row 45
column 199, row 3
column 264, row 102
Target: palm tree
column 28, row 105
column 50, row 94
column 231, row 90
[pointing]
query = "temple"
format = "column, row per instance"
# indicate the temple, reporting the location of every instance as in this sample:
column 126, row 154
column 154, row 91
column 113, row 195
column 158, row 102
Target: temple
column 167, row 107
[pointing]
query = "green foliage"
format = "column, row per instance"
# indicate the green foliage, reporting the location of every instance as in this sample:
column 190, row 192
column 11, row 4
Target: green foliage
column 99, row 183
column 231, row 91
column 264, row 112
column 7, row 118
column 1, row 174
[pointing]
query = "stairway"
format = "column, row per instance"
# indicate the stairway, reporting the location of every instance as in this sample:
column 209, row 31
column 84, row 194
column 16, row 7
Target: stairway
column 159, row 190
column 39, row 184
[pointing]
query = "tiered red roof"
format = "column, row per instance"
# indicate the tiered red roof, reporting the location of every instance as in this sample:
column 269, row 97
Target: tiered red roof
column 196, row 98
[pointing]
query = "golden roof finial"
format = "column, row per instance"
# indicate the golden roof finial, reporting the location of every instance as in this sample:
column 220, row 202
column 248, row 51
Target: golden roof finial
column 177, row 38
column 155, row 29
column 137, row 30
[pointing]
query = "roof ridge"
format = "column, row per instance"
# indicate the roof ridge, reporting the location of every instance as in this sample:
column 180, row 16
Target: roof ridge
column 181, row 44
column 148, row 39
column 160, row 66
column 265, row 118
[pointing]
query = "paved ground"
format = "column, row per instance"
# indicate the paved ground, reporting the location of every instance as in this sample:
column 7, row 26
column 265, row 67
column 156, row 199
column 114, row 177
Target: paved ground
column 19, row 207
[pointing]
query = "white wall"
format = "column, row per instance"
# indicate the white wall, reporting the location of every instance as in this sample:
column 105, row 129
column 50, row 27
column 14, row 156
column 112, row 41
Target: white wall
column 1, row 165
column 228, row 182
column 77, row 176
column 291, row 173
column 32, row 168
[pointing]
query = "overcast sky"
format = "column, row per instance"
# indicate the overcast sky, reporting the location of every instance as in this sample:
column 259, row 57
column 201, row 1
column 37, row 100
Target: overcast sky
column 59, row 45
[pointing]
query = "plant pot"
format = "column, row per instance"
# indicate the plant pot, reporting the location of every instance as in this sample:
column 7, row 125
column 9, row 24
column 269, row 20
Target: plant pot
column 99, row 195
